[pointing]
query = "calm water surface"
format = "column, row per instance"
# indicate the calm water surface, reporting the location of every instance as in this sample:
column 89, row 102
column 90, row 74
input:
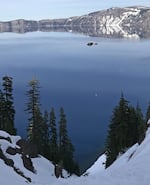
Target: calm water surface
column 86, row 81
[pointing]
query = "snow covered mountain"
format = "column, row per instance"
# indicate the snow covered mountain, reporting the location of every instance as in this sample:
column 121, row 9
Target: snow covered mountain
column 132, row 168
column 128, row 22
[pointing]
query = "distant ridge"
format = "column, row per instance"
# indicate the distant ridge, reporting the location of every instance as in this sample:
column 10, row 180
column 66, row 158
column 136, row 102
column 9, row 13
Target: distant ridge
column 128, row 22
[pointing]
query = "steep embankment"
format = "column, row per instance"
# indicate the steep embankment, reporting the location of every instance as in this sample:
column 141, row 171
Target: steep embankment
column 130, row 168
column 20, row 164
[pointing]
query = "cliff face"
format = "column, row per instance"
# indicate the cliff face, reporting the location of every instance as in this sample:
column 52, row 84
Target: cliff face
column 19, row 26
column 114, row 22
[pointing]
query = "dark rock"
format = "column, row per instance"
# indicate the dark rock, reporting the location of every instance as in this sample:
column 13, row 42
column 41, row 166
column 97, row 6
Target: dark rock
column 1, row 154
column 28, row 148
column 9, row 162
column 18, row 150
column 28, row 163
column 11, row 151
column 21, row 142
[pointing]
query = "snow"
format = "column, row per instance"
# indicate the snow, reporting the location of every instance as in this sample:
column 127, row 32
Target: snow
column 131, row 168
column 148, row 122
column 4, row 134
column 8, row 176
column 114, row 24
column 98, row 166
column 44, row 168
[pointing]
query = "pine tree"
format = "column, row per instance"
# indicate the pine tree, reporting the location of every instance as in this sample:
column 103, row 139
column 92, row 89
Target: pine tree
column 8, row 111
column 35, row 119
column 32, row 105
column 59, row 150
column 126, row 128
column 148, row 113
column 45, row 135
column 66, row 148
column 132, row 125
column 53, row 153
column 116, row 139
column 141, row 129
column 76, row 169
column 38, row 131
column 2, row 102
column 112, row 147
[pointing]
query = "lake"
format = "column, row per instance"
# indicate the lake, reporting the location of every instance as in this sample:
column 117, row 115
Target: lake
column 86, row 81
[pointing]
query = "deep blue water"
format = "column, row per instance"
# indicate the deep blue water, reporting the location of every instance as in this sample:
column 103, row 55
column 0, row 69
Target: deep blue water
column 86, row 81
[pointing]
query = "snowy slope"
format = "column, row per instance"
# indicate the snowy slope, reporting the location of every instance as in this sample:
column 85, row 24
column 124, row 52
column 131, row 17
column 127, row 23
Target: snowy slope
column 132, row 168
column 97, row 167
column 44, row 169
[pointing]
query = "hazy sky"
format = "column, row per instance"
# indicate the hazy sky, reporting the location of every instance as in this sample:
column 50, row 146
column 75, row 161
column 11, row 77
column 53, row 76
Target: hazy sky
column 39, row 9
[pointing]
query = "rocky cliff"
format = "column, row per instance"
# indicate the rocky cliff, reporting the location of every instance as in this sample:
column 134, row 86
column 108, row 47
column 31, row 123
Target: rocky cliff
column 128, row 22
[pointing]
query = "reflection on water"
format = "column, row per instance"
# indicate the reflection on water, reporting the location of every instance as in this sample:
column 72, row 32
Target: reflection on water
column 86, row 81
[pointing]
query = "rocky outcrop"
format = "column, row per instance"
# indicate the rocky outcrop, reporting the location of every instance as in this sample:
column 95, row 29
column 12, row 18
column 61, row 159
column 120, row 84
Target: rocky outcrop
column 10, row 162
column 12, row 151
column 17, row 146
column 28, row 148
column 27, row 162
column 130, row 22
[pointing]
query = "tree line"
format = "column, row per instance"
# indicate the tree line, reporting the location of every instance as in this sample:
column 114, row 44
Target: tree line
column 127, row 127
column 50, row 135
column 7, row 110
column 51, row 140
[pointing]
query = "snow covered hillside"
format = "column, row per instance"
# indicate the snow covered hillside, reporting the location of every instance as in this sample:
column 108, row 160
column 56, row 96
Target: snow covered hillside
column 132, row 168
column 44, row 169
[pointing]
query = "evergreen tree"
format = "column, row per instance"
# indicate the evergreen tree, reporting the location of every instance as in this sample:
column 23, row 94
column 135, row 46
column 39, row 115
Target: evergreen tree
column 53, row 153
column 76, row 169
column 7, row 106
column 32, row 105
column 148, row 113
column 37, row 134
column 45, row 135
column 66, row 148
column 35, row 117
column 141, row 129
column 2, row 101
column 126, row 128
column 132, row 125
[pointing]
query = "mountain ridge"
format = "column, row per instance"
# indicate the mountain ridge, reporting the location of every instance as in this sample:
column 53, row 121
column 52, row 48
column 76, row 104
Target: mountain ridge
column 128, row 22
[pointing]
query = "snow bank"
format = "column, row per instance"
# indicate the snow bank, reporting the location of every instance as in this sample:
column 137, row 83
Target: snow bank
column 44, row 168
column 98, row 166
column 132, row 168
